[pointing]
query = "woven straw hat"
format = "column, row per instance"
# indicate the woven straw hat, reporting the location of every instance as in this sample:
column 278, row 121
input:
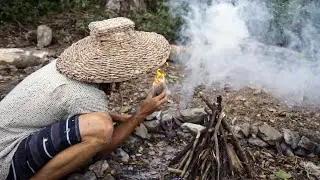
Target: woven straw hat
column 113, row 52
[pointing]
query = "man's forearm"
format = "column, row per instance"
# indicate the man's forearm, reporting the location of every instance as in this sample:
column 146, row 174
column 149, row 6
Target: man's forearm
column 119, row 117
column 122, row 132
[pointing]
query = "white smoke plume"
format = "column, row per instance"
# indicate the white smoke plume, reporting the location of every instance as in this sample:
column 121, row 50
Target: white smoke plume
column 237, row 42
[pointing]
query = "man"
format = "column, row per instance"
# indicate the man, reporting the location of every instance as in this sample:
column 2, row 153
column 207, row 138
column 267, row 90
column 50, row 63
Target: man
column 57, row 118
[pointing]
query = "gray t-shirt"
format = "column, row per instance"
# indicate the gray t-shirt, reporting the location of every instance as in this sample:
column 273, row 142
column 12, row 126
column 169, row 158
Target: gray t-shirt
column 41, row 99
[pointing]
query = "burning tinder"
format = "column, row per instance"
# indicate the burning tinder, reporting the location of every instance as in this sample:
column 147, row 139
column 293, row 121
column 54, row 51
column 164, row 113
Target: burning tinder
column 159, row 82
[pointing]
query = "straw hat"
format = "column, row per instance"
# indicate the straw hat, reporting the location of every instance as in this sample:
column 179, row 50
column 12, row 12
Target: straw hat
column 113, row 52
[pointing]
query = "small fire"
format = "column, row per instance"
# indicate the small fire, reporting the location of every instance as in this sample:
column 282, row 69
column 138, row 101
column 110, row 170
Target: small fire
column 159, row 78
column 159, row 81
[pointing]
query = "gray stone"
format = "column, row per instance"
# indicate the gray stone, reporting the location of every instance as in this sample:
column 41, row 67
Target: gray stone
column 195, row 128
column 257, row 142
column 99, row 167
column 89, row 175
column 22, row 58
column 307, row 144
column 142, row 131
column 76, row 176
column 245, row 129
column 132, row 140
column 123, row 155
column 254, row 130
column 291, row 138
column 44, row 36
column 311, row 169
column 194, row 115
column 152, row 125
column 286, row 150
column 317, row 150
column 237, row 132
column 154, row 115
column 300, row 152
column 121, row 6
column 269, row 134
column 108, row 177
column 113, row 5
column 167, row 117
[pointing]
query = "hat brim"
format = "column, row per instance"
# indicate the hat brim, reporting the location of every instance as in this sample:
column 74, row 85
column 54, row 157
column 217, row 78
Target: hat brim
column 89, row 61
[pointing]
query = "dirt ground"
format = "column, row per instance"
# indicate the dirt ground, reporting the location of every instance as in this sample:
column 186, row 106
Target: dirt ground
column 244, row 105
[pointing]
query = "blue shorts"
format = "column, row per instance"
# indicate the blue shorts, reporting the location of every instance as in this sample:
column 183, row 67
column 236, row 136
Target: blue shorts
column 40, row 147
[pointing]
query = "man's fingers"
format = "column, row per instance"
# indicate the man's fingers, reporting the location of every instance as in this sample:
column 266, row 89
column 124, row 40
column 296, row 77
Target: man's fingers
column 162, row 101
column 161, row 96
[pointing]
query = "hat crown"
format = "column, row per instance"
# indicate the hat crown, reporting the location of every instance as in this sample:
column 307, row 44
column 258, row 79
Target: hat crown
column 111, row 26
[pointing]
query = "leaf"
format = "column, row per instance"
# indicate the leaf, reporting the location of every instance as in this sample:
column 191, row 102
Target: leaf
column 283, row 175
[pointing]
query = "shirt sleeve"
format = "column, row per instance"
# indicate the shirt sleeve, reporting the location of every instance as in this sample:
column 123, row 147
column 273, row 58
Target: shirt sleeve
column 87, row 100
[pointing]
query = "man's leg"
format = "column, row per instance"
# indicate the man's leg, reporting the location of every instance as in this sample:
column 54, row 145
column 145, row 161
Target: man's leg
column 96, row 131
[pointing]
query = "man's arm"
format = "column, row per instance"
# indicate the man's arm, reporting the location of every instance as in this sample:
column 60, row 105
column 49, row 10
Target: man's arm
column 125, row 129
column 119, row 117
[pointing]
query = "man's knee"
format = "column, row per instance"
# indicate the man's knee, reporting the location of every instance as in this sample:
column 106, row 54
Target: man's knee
column 96, row 127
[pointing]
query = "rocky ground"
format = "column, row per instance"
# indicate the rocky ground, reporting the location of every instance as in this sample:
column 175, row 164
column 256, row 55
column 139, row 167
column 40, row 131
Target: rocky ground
column 258, row 120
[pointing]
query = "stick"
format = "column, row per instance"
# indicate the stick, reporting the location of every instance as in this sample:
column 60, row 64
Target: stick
column 191, row 154
column 242, row 156
column 236, row 144
column 181, row 153
column 184, row 160
column 204, row 140
column 215, row 135
column 224, row 140
column 178, row 171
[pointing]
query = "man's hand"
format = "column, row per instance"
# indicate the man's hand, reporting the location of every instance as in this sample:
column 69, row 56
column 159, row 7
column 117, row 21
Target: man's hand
column 152, row 103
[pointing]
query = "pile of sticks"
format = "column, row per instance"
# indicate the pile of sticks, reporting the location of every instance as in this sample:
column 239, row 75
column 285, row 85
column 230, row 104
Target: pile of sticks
column 214, row 153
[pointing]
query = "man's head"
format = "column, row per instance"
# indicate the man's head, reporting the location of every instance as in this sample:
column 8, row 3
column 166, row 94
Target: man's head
column 113, row 52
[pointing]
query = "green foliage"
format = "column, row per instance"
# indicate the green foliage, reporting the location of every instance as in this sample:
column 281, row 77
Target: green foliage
column 157, row 17
column 28, row 10
column 159, row 20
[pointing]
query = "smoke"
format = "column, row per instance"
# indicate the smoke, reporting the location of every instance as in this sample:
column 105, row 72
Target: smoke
column 238, row 42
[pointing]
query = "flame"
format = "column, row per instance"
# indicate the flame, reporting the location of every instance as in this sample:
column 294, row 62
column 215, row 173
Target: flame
column 159, row 77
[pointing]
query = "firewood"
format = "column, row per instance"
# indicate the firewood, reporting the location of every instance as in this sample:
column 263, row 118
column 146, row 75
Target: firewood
column 211, row 155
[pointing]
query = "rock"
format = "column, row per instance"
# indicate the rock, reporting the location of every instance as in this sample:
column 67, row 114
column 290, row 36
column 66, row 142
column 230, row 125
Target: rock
column 132, row 140
column 195, row 128
column 76, row 176
column 291, row 138
column 286, row 150
column 44, row 36
column 99, row 167
column 89, row 175
column 269, row 134
column 307, row 144
column 300, row 152
column 108, row 177
column 167, row 117
column 113, row 5
column 311, row 168
column 245, row 129
column 237, row 132
column 257, row 142
column 123, row 6
column 22, row 58
column 195, row 115
column 125, row 109
column 254, row 130
column 155, row 115
column 142, row 131
column 123, row 155
column 317, row 151
column 152, row 125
